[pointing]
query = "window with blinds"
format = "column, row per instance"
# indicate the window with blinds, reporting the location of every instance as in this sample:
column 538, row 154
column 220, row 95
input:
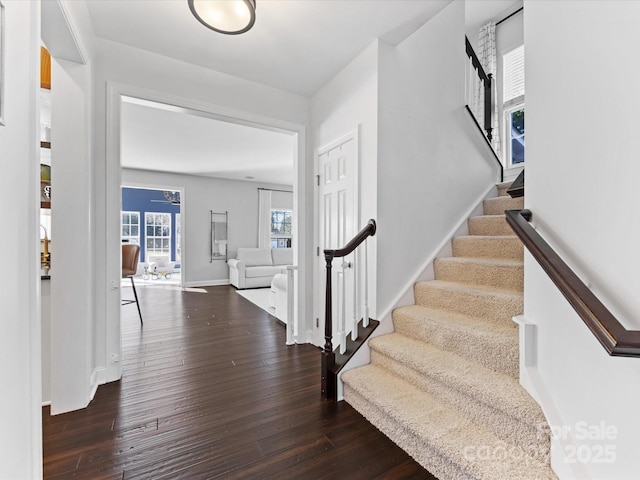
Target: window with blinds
column 513, row 105
column 513, row 75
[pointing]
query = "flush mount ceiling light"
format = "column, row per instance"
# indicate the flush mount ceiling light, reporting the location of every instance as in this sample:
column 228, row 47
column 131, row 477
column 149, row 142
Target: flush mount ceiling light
column 225, row 16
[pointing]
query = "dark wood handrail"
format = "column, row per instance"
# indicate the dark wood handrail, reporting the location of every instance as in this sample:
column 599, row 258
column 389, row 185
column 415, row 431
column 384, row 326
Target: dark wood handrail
column 487, row 82
column 328, row 380
column 475, row 60
column 368, row 231
column 611, row 334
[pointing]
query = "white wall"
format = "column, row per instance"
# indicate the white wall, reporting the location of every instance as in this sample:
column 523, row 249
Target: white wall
column 69, row 372
column 200, row 196
column 21, row 432
column 71, row 361
column 138, row 70
column 432, row 164
column 582, row 171
column 350, row 102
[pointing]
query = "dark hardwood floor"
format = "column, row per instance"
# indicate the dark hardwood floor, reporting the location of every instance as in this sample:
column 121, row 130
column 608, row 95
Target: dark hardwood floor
column 210, row 390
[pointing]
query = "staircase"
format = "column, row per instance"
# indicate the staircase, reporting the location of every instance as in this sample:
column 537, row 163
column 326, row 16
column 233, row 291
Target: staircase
column 444, row 386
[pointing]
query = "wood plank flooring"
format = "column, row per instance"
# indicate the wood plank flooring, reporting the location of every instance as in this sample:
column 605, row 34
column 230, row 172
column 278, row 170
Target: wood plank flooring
column 210, row 390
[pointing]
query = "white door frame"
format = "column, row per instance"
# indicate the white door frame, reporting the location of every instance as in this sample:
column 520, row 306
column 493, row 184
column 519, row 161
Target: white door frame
column 113, row 182
column 318, row 271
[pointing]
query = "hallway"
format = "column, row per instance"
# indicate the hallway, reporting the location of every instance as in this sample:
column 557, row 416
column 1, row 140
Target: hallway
column 210, row 390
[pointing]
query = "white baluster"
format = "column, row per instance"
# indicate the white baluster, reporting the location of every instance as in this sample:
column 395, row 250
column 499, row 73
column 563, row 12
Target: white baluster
column 291, row 320
column 354, row 312
column 342, row 307
column 366, row 286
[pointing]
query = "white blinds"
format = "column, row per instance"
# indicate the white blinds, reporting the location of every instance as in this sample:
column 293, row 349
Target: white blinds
column 513, row 74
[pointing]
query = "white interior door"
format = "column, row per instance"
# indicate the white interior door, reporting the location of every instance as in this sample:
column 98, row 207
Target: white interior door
column 337, row 224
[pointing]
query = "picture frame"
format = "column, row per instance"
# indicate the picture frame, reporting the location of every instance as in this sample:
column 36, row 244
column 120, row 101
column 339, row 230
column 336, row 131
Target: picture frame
column 2, row 29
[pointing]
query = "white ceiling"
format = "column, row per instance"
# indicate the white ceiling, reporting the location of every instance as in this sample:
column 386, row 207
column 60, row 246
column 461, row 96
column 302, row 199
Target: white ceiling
column 295, row 45
column 167, row 139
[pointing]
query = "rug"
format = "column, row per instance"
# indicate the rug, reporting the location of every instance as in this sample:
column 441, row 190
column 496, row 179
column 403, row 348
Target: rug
column 259, row 297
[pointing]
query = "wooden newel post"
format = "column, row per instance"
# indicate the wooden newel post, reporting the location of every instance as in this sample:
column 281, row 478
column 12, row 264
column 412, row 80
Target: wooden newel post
column 328, row 385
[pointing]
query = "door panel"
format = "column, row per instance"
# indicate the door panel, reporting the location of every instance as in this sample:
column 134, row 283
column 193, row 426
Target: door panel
column 337, row 225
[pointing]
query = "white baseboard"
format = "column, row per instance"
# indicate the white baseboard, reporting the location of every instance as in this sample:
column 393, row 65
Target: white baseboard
column 47, row 403
column 98, row 377
column 207, row 283
column 310, row 337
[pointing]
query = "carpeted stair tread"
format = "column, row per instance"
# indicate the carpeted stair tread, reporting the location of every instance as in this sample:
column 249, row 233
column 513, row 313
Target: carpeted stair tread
column 470, row 300
column 497, row 205
column 466, row 336
column 447, row 378
column 491, row 399
column 495, row 225
column 502, row 188
column 507, row 247
column 438, row 437
column 496, row 273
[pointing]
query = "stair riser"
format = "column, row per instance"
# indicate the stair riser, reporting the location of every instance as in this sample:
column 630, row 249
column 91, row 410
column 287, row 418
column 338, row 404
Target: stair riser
column 505, row 247
column 502, row 189
column 478, row 410
column 497, row 206
column 507, row 277
column 473, row 345
column 489, row 225
column 499, row 308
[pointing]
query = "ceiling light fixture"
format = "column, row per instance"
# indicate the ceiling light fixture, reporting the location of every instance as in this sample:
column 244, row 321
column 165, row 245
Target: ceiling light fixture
column 225, row 16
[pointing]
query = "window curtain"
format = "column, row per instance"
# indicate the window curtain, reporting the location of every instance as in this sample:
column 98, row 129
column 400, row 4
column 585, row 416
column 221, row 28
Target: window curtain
column 264, row 218
column 487, row 55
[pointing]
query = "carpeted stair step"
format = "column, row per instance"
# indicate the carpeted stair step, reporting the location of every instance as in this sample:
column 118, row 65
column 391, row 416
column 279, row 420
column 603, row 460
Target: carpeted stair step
column 477, row 246
column 445, row 385
column 497, row 206
column 473, row 301
column 439, row 438
column 490, row 399
column 489, row 225
column 503, row 274
column 492, row 345
column 502, row 188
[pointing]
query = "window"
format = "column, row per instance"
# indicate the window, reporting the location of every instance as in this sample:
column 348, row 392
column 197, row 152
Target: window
column 131, row 227
column 178, row 237
column 158, row 233
column 513, row 105
column 281, row 228
column 515, row 124
column 513, row 74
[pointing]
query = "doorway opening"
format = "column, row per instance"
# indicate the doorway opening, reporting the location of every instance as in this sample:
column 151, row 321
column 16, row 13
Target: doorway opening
column 184, row 147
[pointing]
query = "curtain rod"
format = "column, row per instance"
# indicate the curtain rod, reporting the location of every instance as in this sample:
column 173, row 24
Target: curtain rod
column 509, row 16
column 275, row 190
